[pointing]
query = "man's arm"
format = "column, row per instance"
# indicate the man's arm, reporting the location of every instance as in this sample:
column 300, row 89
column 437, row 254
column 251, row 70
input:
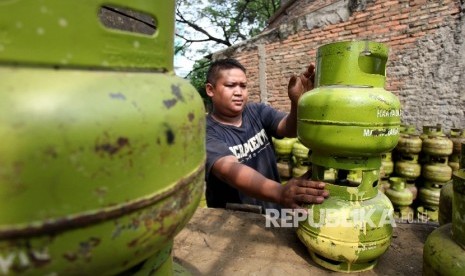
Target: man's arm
column 249, row 181
column 296, row 87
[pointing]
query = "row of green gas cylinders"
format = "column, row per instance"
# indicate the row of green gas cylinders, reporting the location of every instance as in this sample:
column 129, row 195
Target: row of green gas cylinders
column 421, row 161
column 293, row 159
column 444, row 249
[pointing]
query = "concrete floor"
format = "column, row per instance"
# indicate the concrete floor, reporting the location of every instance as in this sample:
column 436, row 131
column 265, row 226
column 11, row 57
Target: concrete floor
column 224, row 242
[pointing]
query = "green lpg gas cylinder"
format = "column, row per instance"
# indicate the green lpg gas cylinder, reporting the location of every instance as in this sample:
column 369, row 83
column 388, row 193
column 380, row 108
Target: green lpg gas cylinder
column 349, row 104
column 431, row 131
column 102, row 154
column 300, row 152
column 457, row 136
column 444, row 250
column 408, row 167
column 300, row 163
column 445, row 204
column 458, row 207
column 387, row 165
column 407, row 129
column 348, row 121
column 437, row 171
column 429, row 194
column 409, row 143
column 283, row 147
column 437, row 145
column 398, row 192
column 351, row 229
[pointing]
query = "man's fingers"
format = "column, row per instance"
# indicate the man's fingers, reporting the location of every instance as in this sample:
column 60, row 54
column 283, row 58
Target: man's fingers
column 311, row 184
column 309, row 199
column 312, row 191
column 310, row 71
column 308, row 77
column 299, row 191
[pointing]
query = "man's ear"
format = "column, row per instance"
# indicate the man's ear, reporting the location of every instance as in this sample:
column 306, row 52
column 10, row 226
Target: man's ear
column 210, row 89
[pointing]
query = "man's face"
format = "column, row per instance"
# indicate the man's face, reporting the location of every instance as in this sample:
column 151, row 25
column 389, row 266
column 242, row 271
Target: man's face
column 229, row 94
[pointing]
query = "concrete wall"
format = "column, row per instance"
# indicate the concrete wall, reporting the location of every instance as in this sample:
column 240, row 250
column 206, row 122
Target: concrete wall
column 426, row 61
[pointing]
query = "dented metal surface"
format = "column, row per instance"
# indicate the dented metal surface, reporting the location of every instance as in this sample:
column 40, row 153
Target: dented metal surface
column 108, row 245
column 53, row 226
column 102, row 159
column 84, row 171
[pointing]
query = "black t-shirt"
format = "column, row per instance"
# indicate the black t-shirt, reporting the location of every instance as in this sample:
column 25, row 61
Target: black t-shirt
column 250, row 143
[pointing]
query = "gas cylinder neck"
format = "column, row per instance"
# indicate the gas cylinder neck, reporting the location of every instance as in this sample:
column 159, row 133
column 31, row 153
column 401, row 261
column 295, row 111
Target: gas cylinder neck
column 355, row 63
column 70, row 34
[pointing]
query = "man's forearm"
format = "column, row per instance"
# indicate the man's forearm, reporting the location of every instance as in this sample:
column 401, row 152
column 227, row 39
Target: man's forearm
column 289, row 123
column 248, row 180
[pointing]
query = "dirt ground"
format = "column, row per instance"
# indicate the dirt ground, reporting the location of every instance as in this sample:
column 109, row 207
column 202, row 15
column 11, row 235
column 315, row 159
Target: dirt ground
column 224, row 242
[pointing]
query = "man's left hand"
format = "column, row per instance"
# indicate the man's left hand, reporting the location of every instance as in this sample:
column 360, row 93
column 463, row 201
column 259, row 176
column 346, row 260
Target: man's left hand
column 301, row 84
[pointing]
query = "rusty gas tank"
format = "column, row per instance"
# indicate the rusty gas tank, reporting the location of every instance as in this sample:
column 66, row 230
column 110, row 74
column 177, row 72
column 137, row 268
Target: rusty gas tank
column 103, row 147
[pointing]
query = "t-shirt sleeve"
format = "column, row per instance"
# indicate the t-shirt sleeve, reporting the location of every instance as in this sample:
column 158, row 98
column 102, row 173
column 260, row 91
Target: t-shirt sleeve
column 270, row 118
column 215, row 150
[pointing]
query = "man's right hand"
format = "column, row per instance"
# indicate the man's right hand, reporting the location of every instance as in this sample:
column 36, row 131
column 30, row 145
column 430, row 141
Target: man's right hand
column 300, row 191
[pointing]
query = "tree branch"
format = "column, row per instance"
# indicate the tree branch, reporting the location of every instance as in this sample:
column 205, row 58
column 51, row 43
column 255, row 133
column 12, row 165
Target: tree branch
column 201, row 30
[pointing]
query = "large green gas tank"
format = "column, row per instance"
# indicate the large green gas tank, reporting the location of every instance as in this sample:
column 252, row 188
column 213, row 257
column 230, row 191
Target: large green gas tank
column 348, row 121
column 102, row 153
column 349, row 104
column 351, row 228
column 444, row 250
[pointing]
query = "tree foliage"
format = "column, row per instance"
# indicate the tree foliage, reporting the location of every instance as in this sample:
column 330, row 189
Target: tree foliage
column 199, row 77
column 203, row 27
column 222, row 21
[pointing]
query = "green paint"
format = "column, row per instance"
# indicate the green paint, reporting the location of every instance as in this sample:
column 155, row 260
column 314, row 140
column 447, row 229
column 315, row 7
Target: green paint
column 444, row 253
column 458, row 207
column 445, row 204
column 352, row 63
column 349, row 103
column 100, row 168
column 349, row 121
column 398, row 193
column 69, row 33
column 441, row 255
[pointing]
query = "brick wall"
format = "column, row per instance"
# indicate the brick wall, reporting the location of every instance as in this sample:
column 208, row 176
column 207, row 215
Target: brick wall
column 426, row 61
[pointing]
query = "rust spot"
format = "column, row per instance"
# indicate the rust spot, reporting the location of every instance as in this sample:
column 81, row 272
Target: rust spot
column 93, row 241
column 176, row 91
column 51, row 151
column 112, row 149
column 170, row 103
column 133, row 243
column 191, row 116
column 135, row 223
column 118, row 96
column 86, row 247
column 169, row 136
column 70, row 256
column 180, row 193
column 101, row 191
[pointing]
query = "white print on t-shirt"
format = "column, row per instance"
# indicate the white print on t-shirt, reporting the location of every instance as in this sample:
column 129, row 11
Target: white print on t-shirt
column 251, row 146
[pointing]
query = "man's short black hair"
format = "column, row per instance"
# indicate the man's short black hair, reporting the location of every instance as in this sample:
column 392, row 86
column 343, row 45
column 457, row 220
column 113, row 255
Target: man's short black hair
column 222, row 64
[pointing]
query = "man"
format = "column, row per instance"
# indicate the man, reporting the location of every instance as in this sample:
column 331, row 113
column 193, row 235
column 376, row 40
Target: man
column 241, row 165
